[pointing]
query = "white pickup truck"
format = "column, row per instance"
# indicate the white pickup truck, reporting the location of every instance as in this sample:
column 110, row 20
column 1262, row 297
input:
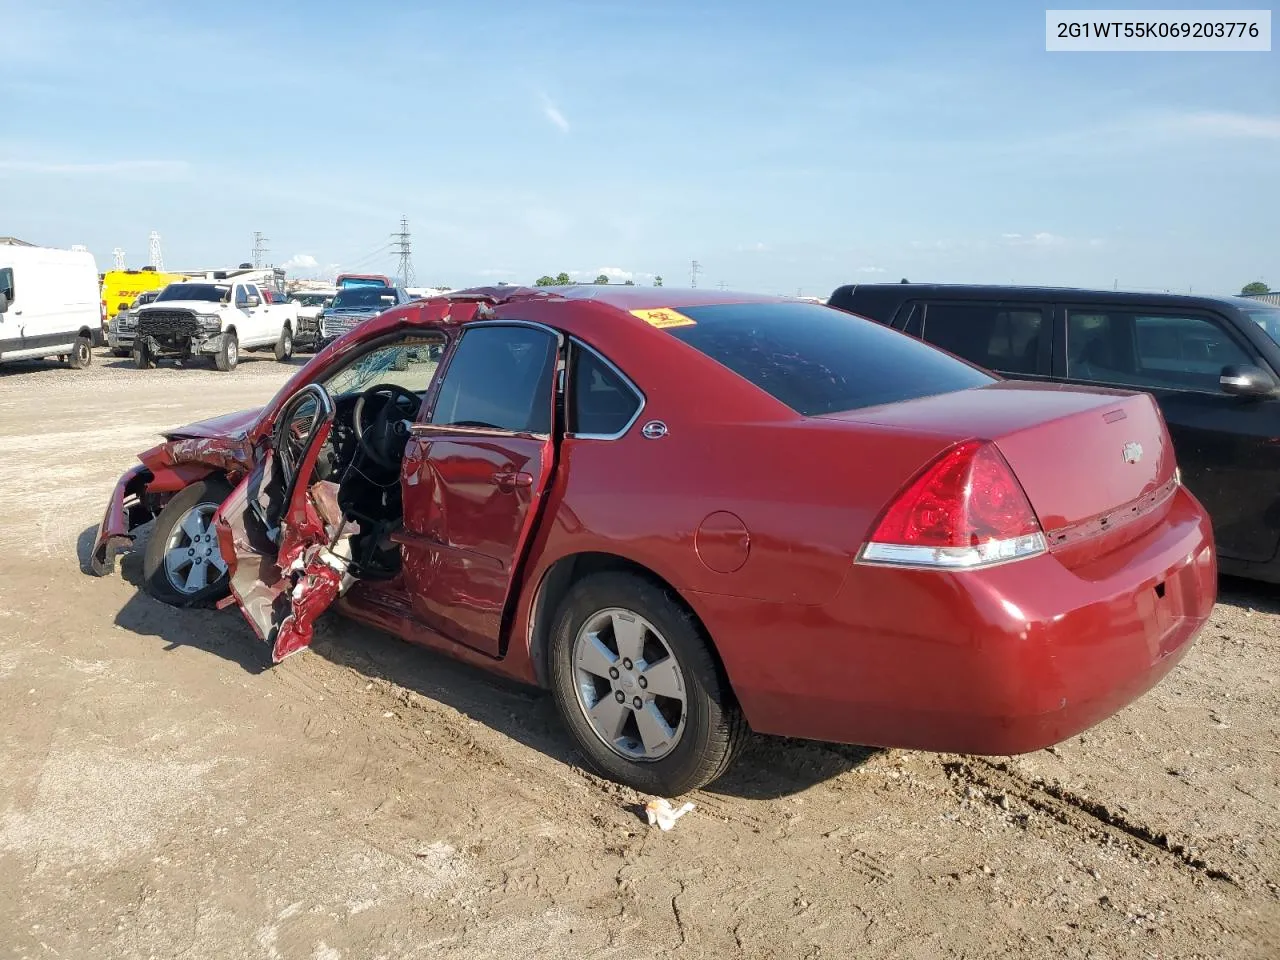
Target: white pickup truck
column 212, row 318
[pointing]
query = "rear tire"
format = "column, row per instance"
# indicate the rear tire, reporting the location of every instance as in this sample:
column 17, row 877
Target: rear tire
column 684, row 743
column 142, row 357
column 81, row 355
column 228, row 354
column 284, row 346
column 182, row 545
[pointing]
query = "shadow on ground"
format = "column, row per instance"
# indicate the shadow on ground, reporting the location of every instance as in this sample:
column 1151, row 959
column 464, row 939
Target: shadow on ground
column 202, row 362
column 1253, row 594
column 768, row 767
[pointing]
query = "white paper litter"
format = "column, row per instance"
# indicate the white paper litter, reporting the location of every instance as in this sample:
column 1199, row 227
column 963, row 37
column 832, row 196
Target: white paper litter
column 660, row 812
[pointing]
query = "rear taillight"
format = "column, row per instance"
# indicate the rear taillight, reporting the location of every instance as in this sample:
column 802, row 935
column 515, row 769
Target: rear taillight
column 964, row 510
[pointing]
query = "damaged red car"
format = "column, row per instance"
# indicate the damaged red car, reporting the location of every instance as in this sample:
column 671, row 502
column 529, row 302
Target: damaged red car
column 691, row 514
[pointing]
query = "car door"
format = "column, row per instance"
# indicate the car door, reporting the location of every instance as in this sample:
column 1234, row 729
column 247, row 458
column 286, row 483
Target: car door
column 11, row 319
column 476, row 470
column 270, row 520
column 1013, row 339
column 1225, row 445
column 248, row 322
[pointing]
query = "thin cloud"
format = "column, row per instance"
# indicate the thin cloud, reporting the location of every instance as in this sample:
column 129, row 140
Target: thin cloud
column 114, row 168
column 871, row 270
column 1042, row 239
column 553, row 114
column 1229, row 125
column 301, row 261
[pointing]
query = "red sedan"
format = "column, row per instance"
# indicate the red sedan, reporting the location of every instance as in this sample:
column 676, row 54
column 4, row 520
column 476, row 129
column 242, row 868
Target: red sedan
column 689, row 514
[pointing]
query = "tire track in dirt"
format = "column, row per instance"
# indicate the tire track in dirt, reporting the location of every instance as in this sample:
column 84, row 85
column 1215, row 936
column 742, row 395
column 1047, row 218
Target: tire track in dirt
column 994, row 781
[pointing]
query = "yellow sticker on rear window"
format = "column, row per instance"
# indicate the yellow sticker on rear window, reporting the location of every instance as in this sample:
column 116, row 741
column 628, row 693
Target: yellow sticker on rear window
column 664, row 317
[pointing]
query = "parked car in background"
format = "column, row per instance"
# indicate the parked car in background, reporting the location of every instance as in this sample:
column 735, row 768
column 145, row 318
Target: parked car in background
column 1212, row 363
column 352, row 306
column 120, row 288
column 311, row 304
column 345, row 280
column 687, row 512
column 218, row 320
column 121, row 332
column 49, row 303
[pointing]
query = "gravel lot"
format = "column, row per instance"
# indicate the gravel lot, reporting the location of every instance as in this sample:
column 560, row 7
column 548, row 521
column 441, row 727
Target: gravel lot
column 163, row 795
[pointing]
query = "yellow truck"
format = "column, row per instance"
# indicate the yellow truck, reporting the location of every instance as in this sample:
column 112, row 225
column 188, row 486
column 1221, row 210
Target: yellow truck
column 121, row 287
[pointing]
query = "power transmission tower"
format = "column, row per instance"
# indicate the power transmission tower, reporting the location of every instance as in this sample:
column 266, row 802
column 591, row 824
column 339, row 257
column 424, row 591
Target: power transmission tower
column 157, row 258
column 402, row 240
column 259, row 247
column 695, row 268
column 722, row 285
column 118, row 253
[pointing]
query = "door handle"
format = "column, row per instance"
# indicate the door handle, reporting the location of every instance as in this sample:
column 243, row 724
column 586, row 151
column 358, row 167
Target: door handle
column 508, row 482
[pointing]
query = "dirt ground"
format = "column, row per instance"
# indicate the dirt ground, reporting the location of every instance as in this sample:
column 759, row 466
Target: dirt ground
column 163, row 795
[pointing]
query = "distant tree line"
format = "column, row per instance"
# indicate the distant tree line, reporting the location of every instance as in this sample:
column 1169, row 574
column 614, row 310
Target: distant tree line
column 1253, row 289
column 562, row 279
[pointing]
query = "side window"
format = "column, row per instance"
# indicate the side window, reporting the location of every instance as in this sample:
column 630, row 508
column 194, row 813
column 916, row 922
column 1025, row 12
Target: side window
column 242, row 295
column 998, row 337
column 601, row 404
column 1149, row 351
column 500, row 378
column 6, row 282
column 911, row 319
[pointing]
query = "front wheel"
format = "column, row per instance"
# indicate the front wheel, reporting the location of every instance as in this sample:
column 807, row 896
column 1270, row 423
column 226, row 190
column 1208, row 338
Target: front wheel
column 143, row 359
column 284, row 346
column 639, row 689
column 81, row 354
column 183, row 566
column 228, row 354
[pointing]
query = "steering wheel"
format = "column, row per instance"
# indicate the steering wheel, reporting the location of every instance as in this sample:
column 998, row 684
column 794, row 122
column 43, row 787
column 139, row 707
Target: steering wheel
column 378, row 436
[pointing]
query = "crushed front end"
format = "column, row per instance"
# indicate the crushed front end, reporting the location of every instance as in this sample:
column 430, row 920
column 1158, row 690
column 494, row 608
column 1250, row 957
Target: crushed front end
column 164, row 470
column 178, row 333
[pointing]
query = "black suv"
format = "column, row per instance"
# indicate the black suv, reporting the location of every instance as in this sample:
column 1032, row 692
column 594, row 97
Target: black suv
column 1212, row 363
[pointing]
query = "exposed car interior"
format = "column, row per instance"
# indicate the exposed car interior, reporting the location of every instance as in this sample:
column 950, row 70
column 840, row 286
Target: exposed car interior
column 355, row 482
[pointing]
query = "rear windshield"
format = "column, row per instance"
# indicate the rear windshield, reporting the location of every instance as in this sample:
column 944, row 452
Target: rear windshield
column 365, row 297
column 213, row 292
column 818, row 360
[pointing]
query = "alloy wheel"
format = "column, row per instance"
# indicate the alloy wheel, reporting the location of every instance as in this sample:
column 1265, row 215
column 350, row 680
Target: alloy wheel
column 629, row 685
column 192, row 560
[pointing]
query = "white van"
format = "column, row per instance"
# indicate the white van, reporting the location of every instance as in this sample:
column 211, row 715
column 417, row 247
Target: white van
column 49, row 303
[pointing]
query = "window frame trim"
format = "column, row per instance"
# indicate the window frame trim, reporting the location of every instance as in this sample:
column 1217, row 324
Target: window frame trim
column 578, row 344
column 1194, row 313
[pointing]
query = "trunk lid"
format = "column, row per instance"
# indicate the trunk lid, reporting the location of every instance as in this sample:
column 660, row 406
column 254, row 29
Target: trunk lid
column 1090, row 460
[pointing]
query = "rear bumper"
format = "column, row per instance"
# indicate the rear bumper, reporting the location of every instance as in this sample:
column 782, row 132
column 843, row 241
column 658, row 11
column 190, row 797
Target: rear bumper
column 998, row 661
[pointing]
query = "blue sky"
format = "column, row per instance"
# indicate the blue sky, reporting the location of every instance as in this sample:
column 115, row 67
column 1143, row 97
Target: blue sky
column 785, row 146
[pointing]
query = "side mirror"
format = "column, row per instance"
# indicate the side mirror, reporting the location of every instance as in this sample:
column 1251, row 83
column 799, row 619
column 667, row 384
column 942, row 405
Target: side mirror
column 1246, row 380
column 4, row 301
column 121, row 306
column 253, row 302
